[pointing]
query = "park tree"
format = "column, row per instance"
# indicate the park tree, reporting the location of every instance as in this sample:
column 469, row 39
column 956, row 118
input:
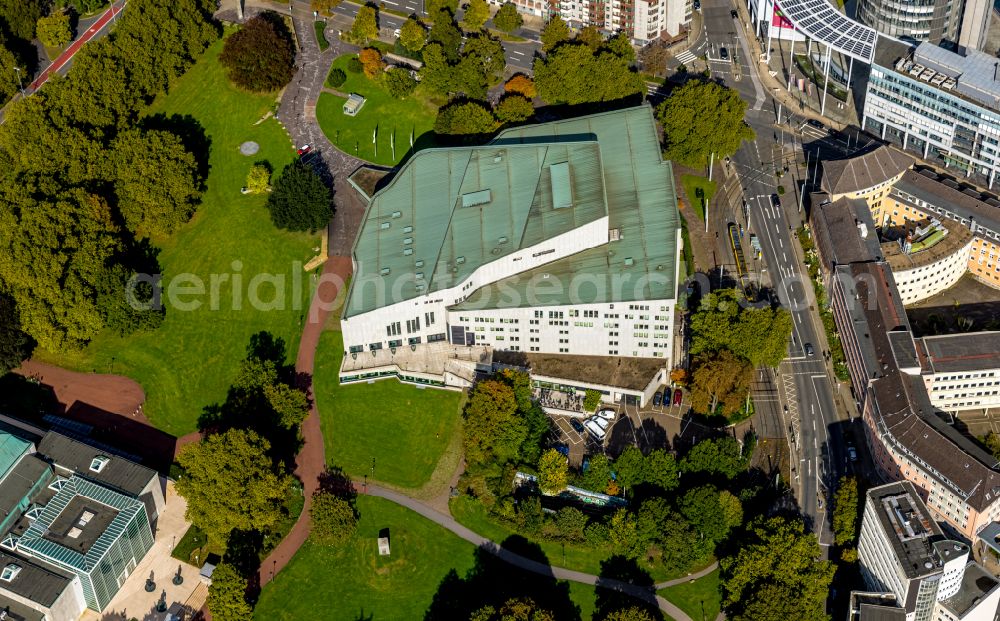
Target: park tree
column 553, row 33
column 469, row 118
column 702, row 118
column 731, row 509
column 365, row 26
column 160, row 186
column 231, row 483
column 493, row 430
column 553, row 472
column 446, row 33
column 19, row 17
column 259, row 57
column 15, row 345
column 436, row 73
column 624, row 534
column 259, row 179
column 590, row 36
column 845, row 512
column 262, row 390
column 654, row 58
column 570, row 523
column 630, row 467
column 520, row 84
column 720, row 379
column 757, row 335
column 371, row 62
column 399, row 83
column 334, row 521
column 54, row 30
column 412, row 34
column 227, row 595
column 300, row 201
column 507, row 18
column 515, row 609
column 514, row 109
column 127, row 305
column 662, row 470
column 476, row 14
column 488, row 56
column 433, row 7
column 633, row 613
column 537, row 421
column 597, row 474
column 575, row 74
column 702, row 508
column 776, row 574
column 324, row 7
column 660, row 524
column 10, row 78
column 721, row 456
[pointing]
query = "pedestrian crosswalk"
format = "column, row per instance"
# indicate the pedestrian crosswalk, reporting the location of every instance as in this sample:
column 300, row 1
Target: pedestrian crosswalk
column 686, row 57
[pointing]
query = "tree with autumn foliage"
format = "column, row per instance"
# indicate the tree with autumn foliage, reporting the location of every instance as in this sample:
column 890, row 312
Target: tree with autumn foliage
column 493, row 430
column 521, row 85
column 371, row 62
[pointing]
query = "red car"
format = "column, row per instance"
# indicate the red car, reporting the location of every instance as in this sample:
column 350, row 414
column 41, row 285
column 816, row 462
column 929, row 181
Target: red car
column 306, row 148
column 677, row 396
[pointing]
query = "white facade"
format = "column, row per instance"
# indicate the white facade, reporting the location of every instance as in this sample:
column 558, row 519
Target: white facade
column 424, row 318
column 920, row 283
column 973, row 390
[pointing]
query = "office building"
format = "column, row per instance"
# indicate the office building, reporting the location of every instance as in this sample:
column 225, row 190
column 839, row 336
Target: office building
column 555, row 239
column 903, row 552
column 938, row 103
column 934, row 21
column 75, row 521
column 962, row 371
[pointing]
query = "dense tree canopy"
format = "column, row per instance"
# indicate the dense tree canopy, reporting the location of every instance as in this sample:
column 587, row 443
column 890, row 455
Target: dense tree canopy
column 721, row 456
column 18, row 17
column 493, row 430
column 507, row 18
column 15, row 344
column 412, row 34
column 230, row 483
column 514, row 109
column 845, row 512
column 445, row 32
column 758, row 335
column 260, row 57
column 54, row 30
column 777, row 575
column 9, row 76
column 555, row 32
column 576, row 73
column 465, row 118
column 518, row 609
column 720, row 380
column 300, row 201
column 701, row 118
column 227, row 595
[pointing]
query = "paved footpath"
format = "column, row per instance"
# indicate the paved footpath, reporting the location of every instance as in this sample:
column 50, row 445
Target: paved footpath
column 561, row 573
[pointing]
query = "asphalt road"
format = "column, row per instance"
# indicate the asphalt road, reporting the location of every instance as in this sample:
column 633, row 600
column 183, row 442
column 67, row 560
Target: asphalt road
column 803, row 384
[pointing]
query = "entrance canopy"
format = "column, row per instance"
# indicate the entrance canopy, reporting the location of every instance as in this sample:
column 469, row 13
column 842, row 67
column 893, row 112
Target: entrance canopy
column 821, row 22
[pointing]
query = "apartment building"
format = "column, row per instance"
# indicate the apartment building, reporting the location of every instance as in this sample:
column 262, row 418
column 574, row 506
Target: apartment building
column 642, row 20
column 903, row 553
column 561, row 238
column 938, row 103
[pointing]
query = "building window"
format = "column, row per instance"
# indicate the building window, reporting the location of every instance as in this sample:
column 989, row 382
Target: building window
column 97, row 463
column 10, row 572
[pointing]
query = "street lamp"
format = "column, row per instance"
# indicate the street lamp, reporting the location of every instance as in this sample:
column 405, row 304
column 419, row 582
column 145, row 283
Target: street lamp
column 20, row 82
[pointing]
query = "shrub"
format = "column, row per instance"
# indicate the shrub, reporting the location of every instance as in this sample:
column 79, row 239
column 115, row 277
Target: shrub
column 336, row 78
column 591, row 400
column 258, row 179
column 334, row 521
column 399, row 83
column 260, row 57
column 354, row 66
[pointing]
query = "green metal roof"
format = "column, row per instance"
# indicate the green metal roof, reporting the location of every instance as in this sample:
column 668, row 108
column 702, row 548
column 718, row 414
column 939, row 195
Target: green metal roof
column 11, row 450
column 449, row 211
column 642, row 213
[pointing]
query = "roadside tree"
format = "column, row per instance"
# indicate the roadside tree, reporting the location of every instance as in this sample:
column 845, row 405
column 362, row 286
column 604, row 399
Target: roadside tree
column 365, row 26
column 324, row 7
column 720, row 380
column 476, row 14
column 54, row 30
column 507, row 18
column 845, row 512
column 553, row 33
column 702, row 118
column 10, row 78
column 413, row 35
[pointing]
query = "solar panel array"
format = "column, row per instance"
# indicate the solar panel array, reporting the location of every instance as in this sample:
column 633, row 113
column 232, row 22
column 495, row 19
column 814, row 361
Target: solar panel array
column 819, row 20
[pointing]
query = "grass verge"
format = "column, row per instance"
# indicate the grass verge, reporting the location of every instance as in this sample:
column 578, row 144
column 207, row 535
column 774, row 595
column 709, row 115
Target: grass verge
column 405, row 429
column 230, row 236
column 692, row 184
column 392, row 122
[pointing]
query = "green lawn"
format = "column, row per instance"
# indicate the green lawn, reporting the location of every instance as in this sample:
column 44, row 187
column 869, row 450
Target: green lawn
column 692, row 596
column 190, row 361
column 396, row 119
column 472, row 515
column 405, row 428
column 691, row 184
column 354, row 582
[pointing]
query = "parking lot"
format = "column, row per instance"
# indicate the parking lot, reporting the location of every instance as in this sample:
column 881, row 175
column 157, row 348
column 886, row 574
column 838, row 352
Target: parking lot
column 649, row 427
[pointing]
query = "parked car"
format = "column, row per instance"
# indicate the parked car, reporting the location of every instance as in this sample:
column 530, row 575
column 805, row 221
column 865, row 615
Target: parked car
column 809, row 349
column 607, row 414
column 816, row 124
column 678, row 395
column 603, row 423
column 576, row 425
column 723, row 53
column 306, row 148
column 657, row 399
column 595, row 429
column 852, row 454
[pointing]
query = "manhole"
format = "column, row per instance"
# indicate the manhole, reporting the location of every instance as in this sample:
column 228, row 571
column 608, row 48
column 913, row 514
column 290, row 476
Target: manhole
column 249, row 148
